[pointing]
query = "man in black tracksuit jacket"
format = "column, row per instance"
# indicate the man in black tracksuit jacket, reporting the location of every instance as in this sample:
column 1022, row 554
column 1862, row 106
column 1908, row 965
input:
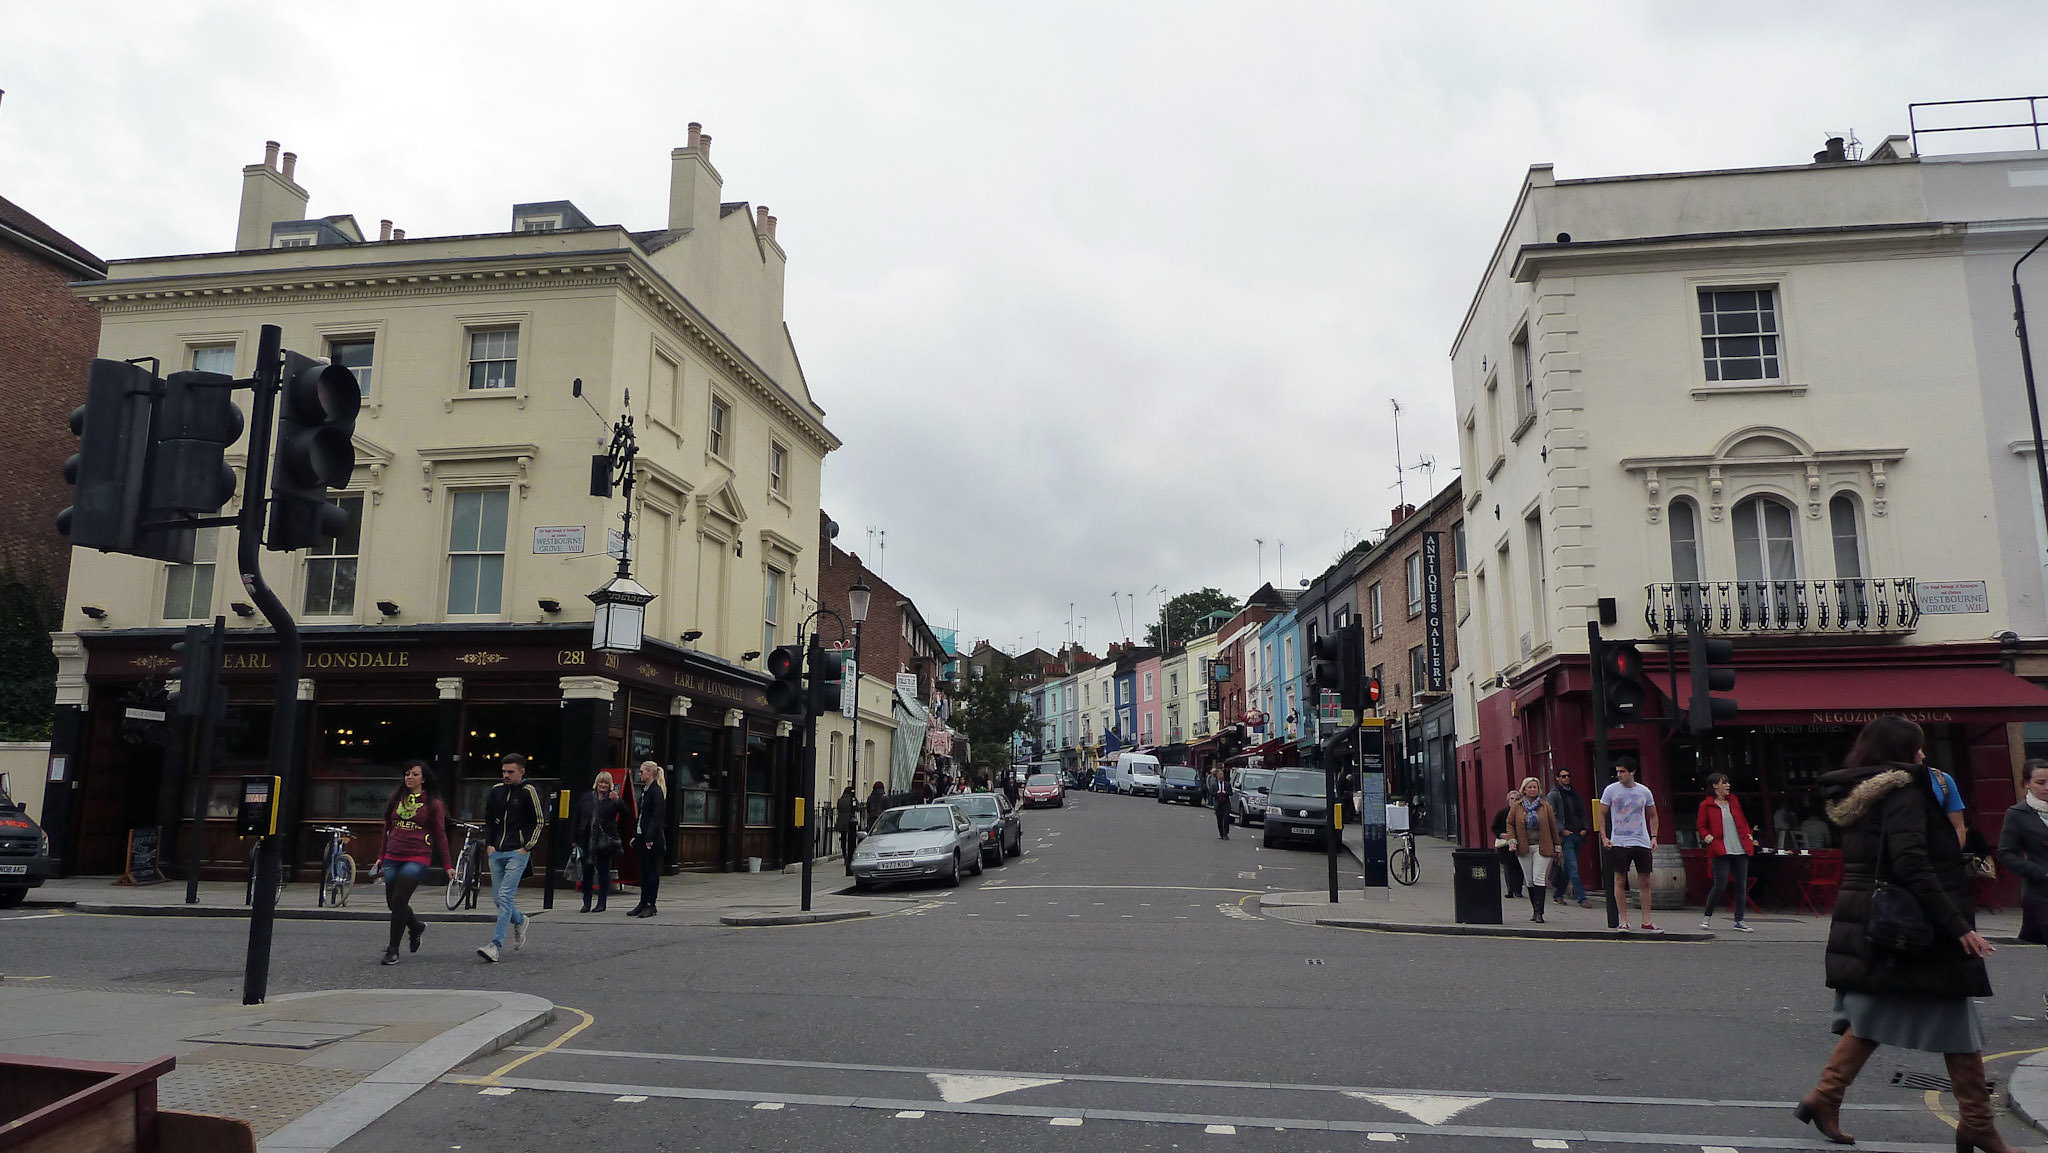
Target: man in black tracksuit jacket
column 513, row 820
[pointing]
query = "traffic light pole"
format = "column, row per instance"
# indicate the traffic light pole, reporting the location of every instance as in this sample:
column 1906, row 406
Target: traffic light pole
column 1599, row 773
column 201, row 764
column 290, row 658
column 810, row 769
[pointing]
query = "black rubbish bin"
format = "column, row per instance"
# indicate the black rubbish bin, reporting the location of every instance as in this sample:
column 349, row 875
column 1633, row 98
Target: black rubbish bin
column 1476, row 883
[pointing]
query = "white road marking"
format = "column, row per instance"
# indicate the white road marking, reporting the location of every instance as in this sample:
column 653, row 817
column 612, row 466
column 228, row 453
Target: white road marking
column 956, row 1087
column 769, row 1105
column 1225, row 1130
column 1433, row 1109
column 1542, row 1143
column 1066, row 1120
column 911, row 1114
column 629, row 1099
column 495, row 1092
column 1384, row 1137
column 31, row 916
column 1719, row 1149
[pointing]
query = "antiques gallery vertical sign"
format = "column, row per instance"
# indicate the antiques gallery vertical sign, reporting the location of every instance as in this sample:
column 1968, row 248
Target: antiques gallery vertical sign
column 1433, row 610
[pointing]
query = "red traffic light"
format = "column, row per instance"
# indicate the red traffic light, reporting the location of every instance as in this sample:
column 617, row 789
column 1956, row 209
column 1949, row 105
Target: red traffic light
column 783, row 661
column 1622, row 660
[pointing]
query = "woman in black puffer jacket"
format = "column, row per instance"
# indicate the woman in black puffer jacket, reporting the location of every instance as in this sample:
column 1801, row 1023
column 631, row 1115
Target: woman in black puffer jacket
column 1918, row 1000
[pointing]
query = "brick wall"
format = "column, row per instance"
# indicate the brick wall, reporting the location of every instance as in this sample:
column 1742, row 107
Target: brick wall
column 883, row 650
column 47, row 341
column 1401, row 632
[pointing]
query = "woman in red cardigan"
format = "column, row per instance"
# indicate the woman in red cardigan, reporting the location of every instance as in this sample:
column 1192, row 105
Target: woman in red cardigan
column 1724, row 831
column 415, row 837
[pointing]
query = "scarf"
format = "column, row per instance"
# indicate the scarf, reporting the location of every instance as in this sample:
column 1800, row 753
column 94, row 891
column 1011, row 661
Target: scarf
column 1530, row 807
column 2040, row 807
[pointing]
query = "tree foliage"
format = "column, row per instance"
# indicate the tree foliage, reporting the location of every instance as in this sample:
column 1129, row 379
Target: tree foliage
column 28, row 669
column 1184, row 610
column 986, row 708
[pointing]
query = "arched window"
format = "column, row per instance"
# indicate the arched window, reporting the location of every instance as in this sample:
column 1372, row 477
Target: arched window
column 1685, row 542
column 1766, row 563
column 1852, row 600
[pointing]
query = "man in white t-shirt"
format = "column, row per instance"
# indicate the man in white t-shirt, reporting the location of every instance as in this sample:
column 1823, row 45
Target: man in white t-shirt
column 1628, row 819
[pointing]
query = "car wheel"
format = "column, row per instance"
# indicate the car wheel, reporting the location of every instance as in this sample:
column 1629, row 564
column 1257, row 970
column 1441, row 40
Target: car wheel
column 953, row 877
column 980, row 863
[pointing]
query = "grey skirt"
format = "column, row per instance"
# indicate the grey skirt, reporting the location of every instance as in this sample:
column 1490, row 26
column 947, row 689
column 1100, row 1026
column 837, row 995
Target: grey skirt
column 1930, row 1024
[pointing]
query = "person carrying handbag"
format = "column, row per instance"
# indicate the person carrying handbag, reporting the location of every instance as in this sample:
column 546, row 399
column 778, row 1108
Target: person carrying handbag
column 594, row 829
column 1902, row 876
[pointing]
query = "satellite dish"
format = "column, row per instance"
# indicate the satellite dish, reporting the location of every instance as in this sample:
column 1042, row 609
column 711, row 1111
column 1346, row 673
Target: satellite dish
column 831, row 530
column 1304, row 582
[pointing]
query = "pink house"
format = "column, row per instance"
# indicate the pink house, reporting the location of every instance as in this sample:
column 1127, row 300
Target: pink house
column 1150, row 704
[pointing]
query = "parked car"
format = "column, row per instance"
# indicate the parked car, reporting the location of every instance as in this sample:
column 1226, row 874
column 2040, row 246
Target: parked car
column 24, row 850
column 1180, row 783
column 1044, row 789
column 917, row 841
column 1103, row 781
column 1297, row 809
column 1248, row 795
column 1137, row 774
column 999, row 829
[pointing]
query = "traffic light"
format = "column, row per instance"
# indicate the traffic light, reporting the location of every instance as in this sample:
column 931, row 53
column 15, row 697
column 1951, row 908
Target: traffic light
column 1326, row 664
column 196, row 421
column 1619, row 665
column 786, row 691
column 195, row 671
column 828, row 678
column 1706, row 661
column 108, row 470
column 315, row 451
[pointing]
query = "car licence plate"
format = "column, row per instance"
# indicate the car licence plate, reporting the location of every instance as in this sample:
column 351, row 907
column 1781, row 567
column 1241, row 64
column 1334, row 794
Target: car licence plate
column 895, row 864
column 1310, row 830
column 13, row 870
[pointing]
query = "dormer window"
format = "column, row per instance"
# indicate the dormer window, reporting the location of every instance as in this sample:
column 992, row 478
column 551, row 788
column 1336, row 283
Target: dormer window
column 304, row 240
column 548, row 224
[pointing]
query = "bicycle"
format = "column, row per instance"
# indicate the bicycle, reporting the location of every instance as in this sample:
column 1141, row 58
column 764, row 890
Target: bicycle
column 466, row 878
column 1401, row 863
column 249, row 890
column 337, row 868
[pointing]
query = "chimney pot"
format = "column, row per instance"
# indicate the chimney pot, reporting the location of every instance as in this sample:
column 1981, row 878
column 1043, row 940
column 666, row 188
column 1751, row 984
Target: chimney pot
column 696, row 133
column 291, row 161
column 384, row 230
column 398, row 234
column 771, row 228
column 761, row 217
column 270, row 155
column 704, row 146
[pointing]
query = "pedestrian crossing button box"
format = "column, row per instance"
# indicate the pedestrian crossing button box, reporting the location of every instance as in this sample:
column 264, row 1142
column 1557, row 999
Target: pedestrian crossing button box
column 256, row 816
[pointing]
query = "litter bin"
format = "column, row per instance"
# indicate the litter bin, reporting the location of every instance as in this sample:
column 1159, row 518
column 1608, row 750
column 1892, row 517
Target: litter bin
column 1476, row 884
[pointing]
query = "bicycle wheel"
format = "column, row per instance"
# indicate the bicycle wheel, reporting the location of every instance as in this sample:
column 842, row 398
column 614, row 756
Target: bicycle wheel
column 1402, row 865
column 458, row 879
column 342, row 879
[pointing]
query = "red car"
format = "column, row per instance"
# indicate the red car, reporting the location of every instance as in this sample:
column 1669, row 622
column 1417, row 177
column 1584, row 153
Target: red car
column 1043, row 789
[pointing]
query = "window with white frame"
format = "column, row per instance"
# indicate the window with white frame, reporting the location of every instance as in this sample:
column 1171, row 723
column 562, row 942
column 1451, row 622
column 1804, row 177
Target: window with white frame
column 721, row 426
column 1764, row 547
column 662, row 382
column 331, row 564
column 540, row 225
column 188, row 588
column 1418, row 670
column 1842, row 525
column 1525, row 378
column 1414, row 573
column 358, row 354
column 1123, row 692
column 778, row 469
column 1375, row 612
column 1539, row 575
column 771, row 608
column 1173, row 684
column 1458, row 546
column 476, row 551
column 1739, row 334
column 1287, row 657
column 493, row 359
column 1496, row 418
column 213, row 358
column 1148, row 686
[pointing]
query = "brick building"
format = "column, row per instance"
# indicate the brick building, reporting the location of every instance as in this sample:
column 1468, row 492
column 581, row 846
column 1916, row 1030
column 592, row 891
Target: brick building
column 895, row 639
column 47, row 339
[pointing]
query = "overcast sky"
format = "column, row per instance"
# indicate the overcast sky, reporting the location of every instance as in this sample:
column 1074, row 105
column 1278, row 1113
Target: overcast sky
column 1081, row 285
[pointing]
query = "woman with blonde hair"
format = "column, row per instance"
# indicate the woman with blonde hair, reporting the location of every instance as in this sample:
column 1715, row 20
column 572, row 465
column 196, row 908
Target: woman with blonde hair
column 1532, row 833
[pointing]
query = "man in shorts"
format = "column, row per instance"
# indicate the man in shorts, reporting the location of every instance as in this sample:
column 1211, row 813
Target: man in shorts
column 1628, row 817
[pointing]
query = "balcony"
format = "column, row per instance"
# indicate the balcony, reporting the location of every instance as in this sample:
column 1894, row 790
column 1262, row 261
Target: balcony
column 1861, row 606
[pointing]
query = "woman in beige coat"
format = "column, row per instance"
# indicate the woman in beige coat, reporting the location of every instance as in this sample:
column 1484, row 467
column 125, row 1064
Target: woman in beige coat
column 1532, row 833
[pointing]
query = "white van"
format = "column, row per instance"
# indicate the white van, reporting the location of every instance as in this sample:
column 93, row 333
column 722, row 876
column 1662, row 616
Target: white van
column 1137, row 774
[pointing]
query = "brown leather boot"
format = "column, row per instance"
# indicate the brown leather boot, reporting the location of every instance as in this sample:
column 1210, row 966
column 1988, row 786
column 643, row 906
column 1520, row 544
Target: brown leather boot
column 1822, row 1108
column 1973, row 1105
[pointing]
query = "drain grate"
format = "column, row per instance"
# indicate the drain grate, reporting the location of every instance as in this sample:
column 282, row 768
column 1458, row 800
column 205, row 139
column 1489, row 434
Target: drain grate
column 1906, row 1079
column 1315, row 960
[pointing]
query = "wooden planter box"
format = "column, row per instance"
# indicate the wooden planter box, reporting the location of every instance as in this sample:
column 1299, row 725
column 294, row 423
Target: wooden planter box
column 53, row 1105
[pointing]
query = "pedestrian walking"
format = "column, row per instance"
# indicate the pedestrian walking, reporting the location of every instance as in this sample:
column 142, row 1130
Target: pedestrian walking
column 650, row 836
column 1630, row 813
column 847, row 812
column 878, row 803
column 1532, row 831
column 1222, row 799
column 513, row 820
column 415, row 839
column 2023, row 849
column 1894, row 834
column 1503, row 847
column 1010, row 788
column 1574, row 825
column 1729, row 842
column 1951, row 799
column 595, row 829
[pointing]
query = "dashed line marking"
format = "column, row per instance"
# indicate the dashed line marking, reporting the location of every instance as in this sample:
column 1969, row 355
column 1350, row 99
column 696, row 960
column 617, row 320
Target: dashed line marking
column 1384, row 1137
column 495, row 1092
column 629, row 1099
column 1546, row 1143
column 1223, row 1130
column 1719, row 1149
column 769, row 1105
column 1067, row 1121
column 911, row 1114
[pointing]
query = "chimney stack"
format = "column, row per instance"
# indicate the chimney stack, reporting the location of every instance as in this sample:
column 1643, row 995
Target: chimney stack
column 383, row 230
column 760, row 218
column 268, row 197
column 771, row 228
column 291, row 161
column 398, row 234
column 696, row 134
column 270, row 155
column 694, row 186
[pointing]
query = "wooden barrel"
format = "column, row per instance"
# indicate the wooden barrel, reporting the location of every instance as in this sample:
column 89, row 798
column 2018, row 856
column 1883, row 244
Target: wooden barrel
column 1667, row 878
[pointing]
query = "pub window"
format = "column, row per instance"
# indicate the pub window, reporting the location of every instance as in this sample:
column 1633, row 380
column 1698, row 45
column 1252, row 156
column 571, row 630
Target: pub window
column 331, row 564
column 358, row 756
column 489, row 732
column 697, row 776
column 760, row 780
column 476, row 552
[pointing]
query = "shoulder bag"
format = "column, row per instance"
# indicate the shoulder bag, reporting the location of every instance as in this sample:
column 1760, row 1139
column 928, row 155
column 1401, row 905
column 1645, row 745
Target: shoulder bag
column 1897, row 923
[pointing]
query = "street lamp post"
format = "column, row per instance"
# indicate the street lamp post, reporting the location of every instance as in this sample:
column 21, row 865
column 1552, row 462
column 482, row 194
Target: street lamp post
column 620, row 614
column 857, row 599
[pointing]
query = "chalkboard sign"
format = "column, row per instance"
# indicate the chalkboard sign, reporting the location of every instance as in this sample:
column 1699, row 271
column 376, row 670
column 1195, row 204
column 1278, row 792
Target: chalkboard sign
column 142, row 863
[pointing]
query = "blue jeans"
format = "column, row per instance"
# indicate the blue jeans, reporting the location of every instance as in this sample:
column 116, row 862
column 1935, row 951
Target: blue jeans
column 1571, row 866
column 506, row 870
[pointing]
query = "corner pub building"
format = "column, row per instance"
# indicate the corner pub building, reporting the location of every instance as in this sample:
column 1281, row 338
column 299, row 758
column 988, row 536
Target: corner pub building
column 450, row 623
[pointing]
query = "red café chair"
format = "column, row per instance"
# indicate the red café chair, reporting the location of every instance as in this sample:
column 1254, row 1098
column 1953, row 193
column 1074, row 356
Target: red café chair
column 1822, row 881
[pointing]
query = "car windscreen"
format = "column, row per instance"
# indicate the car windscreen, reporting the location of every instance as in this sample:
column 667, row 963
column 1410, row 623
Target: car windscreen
column 1181, row 773
column 913, row 820
column 1298, row 783
column 1256, row 779
column 1043, row 780
column 979, row 805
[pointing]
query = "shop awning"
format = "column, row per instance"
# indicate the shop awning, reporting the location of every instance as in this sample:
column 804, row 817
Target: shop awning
column 1854, row 696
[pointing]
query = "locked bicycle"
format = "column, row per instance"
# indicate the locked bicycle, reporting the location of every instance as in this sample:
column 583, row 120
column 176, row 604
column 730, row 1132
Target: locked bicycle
column 1401, row 863
column 337, row 868
column 466, row 878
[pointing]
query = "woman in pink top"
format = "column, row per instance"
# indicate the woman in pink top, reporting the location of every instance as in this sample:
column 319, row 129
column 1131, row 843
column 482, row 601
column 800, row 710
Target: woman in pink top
column 415, row 837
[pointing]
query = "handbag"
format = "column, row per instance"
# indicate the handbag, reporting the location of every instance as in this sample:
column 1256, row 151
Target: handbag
column 573, row 871
column 1897, row 923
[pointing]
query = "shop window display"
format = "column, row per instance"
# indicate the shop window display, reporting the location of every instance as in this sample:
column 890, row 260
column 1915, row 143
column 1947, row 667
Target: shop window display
column 489, row 731
column 697, row 776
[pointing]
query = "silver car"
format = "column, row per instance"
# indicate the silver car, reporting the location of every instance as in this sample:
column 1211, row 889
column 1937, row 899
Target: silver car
column 917, row 841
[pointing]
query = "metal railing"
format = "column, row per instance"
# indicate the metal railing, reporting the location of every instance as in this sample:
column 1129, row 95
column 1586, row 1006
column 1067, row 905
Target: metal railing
column 1980, row 117
column 1855, row 605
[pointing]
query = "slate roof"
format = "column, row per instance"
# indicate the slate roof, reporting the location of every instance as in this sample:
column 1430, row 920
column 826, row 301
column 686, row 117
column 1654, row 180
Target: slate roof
column 18, row 220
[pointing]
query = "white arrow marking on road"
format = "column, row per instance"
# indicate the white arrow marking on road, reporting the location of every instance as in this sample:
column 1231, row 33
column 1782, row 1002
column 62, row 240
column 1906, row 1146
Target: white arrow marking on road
column 956, row 1087
column 1430, row 1110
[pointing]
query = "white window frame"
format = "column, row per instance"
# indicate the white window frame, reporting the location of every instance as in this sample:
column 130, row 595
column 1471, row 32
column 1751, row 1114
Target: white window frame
column 1522, row 360
column 314, row 557
column 771, row 605
column 365, row 374
column 1411, row 570
column 778, row 471
column 196, row 350
column 1148, row 686
column 205, row 563
column 449, row 553
column 662, row 362
column 718, row 421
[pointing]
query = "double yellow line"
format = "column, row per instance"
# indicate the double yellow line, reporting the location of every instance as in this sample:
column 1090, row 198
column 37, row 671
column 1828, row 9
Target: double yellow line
column 492, row 1077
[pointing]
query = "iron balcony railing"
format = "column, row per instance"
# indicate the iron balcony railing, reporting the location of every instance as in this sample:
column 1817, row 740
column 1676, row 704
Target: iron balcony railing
column 1855, row 605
